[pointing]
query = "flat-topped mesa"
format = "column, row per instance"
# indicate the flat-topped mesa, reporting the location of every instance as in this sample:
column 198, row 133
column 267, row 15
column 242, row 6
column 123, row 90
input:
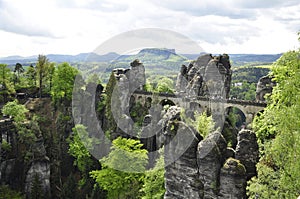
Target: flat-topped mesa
column 208, row 76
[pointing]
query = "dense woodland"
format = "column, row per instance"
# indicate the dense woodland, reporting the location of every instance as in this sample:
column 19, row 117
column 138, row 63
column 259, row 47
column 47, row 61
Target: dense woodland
column 51, row 84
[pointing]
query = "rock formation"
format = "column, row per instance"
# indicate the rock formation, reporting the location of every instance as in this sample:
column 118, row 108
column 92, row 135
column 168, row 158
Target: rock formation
column 182, row 177
column 232, row 180
column 247, row 151
column 264, row 86
column 208, row 76
column 133, row 77
column 13, row 170
column 205, row 168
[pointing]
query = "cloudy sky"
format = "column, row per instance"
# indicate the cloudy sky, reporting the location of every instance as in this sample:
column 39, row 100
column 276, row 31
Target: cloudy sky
column 73, row 26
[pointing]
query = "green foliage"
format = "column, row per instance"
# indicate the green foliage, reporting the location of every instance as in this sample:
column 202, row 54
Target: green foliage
column 243, row 90
column 122, row 170
column 27, row 132
column 126, row 155
column 204, row 124
column 102, row 103
column 138, row 112
column 51, row 71
column 236, row 117
column 63, row 82
column 6, row 192
column 110, row 88
column 165, row 85
column 15, row 110
column 18, row 70
column 30, row 75
column 154, row 181
column 42, row 66
column 148, row 86
column 6, row 86
column 244, row 81
column 278, row 131
column 5, row 146
column 265, row 185
column 233, row 118
column 79, row 145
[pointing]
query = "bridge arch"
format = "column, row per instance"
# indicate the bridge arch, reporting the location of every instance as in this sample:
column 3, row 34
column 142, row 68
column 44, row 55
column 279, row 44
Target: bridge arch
column 239, row 115
column 249, row 108
column 165, row 102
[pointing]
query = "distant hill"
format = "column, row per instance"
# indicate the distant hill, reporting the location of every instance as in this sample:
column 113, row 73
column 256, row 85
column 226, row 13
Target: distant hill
column 242, row 59
column 152, row 57
column 58, row 58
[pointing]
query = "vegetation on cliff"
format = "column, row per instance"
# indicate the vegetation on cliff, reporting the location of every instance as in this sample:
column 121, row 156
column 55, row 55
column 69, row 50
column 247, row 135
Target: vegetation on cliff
column 278, row 132
column 73, row 166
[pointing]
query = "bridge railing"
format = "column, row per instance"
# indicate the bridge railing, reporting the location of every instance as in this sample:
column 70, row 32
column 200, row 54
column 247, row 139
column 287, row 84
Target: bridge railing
column 202, row 98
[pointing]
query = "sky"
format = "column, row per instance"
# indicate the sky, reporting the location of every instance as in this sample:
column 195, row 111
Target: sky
column 34, row 27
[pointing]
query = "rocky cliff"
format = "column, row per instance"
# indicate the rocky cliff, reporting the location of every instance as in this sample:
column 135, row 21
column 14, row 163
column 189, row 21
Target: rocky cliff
column 206, row 168
column 207, row 76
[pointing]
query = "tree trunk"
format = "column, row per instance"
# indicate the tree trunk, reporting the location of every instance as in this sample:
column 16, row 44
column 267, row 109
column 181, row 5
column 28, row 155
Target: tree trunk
column 41, row 84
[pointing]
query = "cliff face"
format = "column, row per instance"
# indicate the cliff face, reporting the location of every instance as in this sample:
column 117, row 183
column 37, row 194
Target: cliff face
column 206, row 168
column 206, row 76
column 34, row 165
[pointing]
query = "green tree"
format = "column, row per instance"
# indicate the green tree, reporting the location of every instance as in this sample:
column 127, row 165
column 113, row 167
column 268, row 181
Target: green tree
column 51, row 71
column 204, row 124
column 148, row 86
column 42, row 69
column 31, row 76
column 15, row 110
column 165, row 85
column 278, row 130
column 18, row 69
column 63, row 82
column 123, row 169
column 6, row 192
column 6, row 87
column 79, row 145
column 110, row 88
column 4, row 74
column 154, row 181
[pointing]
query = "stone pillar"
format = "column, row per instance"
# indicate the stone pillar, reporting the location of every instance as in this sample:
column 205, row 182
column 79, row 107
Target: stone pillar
column 247, row 151
column 181, row 176
column 232, row 180
column 209, row 158
column 180, row 146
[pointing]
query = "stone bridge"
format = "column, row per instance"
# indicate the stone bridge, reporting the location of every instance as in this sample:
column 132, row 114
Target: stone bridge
column 248, row 108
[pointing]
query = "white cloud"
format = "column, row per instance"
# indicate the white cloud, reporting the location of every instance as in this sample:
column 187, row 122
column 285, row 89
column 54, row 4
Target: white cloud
column 74, row 26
